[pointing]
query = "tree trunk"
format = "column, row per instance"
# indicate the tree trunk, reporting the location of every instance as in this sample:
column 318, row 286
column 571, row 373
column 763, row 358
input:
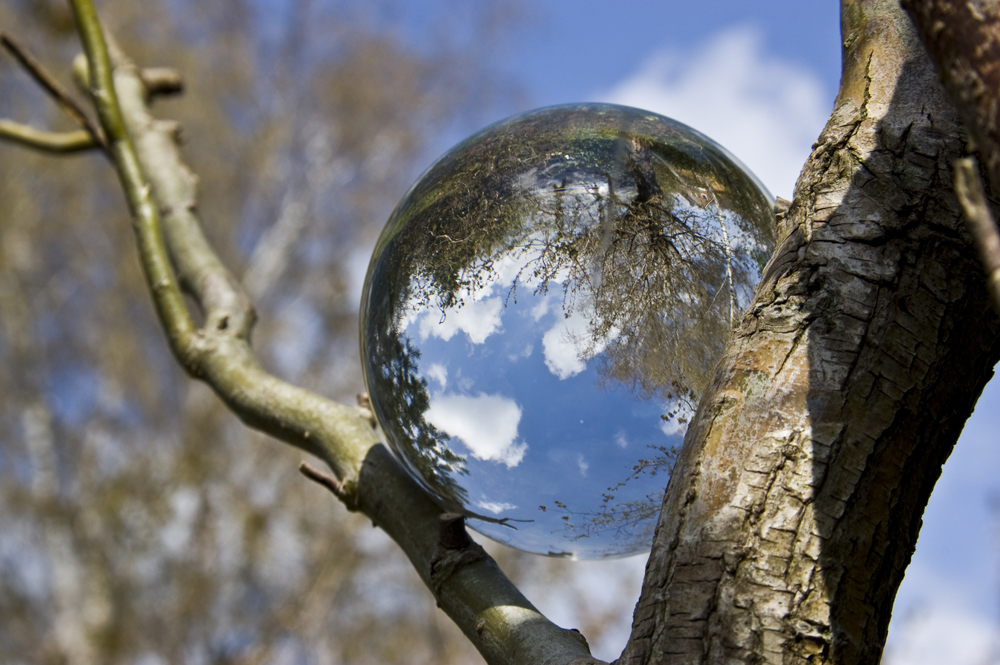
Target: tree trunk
column 795, row 505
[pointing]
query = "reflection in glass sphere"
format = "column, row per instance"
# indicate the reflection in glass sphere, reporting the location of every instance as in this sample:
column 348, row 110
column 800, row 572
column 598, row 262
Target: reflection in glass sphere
column 544, row 307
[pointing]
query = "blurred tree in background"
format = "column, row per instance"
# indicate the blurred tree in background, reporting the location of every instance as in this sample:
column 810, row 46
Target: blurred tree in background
column 141, row 522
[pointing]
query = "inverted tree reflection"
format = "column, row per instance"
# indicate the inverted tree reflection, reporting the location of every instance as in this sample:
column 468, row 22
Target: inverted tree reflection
column 649, row 237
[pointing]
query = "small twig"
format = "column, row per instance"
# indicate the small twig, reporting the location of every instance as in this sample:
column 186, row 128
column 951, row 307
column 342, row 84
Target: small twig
column 329, row 482
column 54, row 88
column 980, row 222
column 161, row 81
column 317, row 476
column 59, row 142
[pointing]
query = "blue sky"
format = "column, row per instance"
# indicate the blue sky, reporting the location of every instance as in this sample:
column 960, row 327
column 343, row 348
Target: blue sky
column 733, row 70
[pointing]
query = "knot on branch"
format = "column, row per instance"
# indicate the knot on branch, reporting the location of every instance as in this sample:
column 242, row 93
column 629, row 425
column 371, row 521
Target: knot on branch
column 451, row 532
column 455, row 549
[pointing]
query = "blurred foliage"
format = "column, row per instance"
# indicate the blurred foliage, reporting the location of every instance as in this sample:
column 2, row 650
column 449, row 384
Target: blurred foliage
column 140, row 522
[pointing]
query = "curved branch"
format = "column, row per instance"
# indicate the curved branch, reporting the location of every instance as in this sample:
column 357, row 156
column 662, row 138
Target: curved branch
column 39, row 139
column 466, row 582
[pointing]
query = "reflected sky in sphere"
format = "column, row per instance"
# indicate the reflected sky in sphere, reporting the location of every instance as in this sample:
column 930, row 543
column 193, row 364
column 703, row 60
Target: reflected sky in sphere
column 544, row 308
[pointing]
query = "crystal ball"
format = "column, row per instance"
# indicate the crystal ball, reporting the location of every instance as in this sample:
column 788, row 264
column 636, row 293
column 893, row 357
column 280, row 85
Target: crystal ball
column 543, row 310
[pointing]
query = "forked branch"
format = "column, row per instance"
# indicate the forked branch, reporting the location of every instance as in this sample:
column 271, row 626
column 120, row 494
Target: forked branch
column 55, row 89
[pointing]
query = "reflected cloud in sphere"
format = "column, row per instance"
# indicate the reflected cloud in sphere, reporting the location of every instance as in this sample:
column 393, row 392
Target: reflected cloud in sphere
column 542, row 311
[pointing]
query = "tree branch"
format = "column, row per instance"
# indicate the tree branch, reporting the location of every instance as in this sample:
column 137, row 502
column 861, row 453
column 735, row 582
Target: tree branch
column 145, row 216
column 53, row 87
column 58, row 142
column 488, row 608
column 962, row 38
column 980, row 222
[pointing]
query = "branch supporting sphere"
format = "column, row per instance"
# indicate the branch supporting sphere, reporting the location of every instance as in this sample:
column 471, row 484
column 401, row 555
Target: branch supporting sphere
column 542, row 311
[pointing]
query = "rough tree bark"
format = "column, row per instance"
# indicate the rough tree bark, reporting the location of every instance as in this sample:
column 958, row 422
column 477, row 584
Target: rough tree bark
column 796, row 502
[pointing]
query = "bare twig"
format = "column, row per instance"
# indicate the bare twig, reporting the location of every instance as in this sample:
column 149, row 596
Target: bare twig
column 980, row 222
column 329, row 482
column 54, row 88
column 59, row 142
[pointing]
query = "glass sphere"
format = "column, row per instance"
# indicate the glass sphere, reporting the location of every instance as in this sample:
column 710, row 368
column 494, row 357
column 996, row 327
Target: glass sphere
column 544, row 308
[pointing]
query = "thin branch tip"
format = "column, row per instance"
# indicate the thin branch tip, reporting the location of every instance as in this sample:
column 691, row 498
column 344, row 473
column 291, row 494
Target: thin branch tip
column 39, row 139
column 49, row 83
column 329, row 482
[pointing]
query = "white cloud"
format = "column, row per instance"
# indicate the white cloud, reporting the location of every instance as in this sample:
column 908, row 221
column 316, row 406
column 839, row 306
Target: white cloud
column 487, row 424
column 477, row 318
column 583, row 465
column 941, row 634
column 541, row 308
column 935, row 618
column 568, row 345
column 610, row 587
column 766, row 111
column 561, row 355
column 494, row 507
column 674, row 425
column 525, row 353
column 439, row 373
